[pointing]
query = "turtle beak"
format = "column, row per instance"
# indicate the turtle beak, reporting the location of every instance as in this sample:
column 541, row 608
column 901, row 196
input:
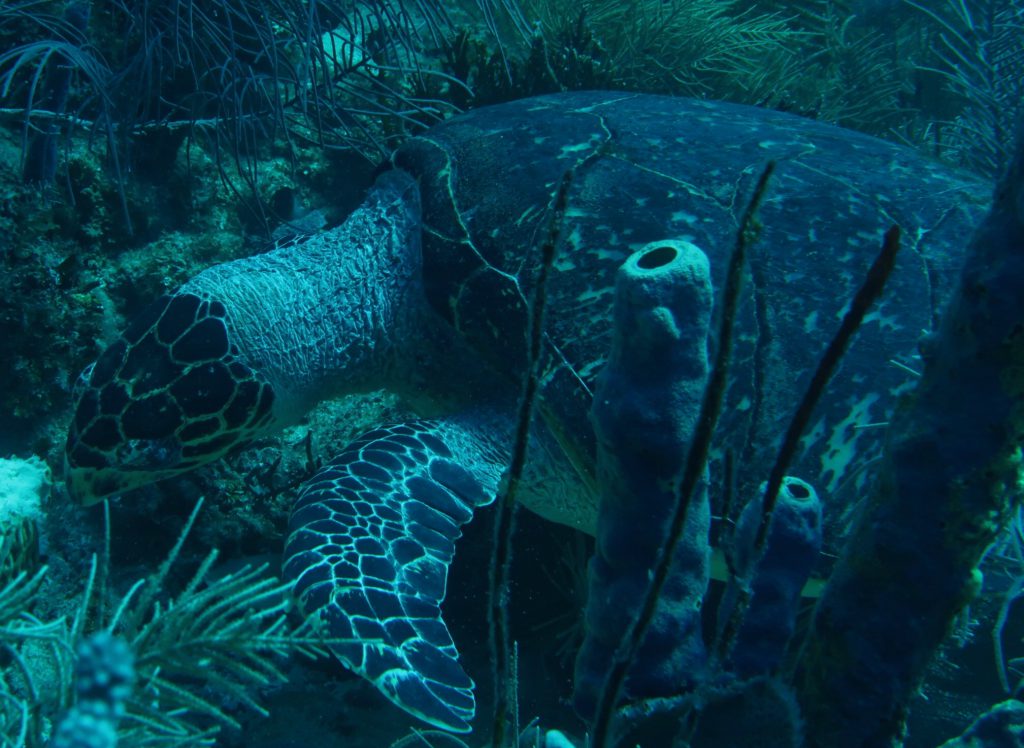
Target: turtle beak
column 97, row 466
column 87, row 486
column 79, row 484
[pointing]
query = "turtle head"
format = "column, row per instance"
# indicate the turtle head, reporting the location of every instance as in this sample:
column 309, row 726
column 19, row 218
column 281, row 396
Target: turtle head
column 170, row 394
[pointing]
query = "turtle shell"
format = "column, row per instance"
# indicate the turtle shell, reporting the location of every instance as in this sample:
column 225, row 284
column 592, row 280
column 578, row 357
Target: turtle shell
column 649, row 168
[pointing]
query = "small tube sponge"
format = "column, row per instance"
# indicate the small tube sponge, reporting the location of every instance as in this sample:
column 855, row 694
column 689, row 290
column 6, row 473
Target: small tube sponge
column 104, row 676
column 794, row 541
column 758, row 713
column 105, row 671
column 645, row 410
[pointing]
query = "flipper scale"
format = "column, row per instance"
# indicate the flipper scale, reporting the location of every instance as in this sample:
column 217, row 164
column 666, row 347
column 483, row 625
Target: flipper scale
column 395, row 502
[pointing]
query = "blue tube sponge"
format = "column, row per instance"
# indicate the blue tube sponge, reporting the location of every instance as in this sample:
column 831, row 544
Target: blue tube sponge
column 794, row 540
column 951, row 475
column 645, row 410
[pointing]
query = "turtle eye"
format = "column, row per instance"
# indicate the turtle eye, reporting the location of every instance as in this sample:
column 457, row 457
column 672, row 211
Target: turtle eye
column 82, row 382
column 169, row 395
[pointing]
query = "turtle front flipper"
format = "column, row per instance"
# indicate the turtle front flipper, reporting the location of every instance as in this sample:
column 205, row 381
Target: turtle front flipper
column 370, row 540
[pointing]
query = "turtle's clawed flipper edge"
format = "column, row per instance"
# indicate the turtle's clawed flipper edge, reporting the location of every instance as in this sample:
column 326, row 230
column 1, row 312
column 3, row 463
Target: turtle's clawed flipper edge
column 370, row 540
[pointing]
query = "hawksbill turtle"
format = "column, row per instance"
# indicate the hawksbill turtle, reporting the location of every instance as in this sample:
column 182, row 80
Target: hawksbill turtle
column 424, row 290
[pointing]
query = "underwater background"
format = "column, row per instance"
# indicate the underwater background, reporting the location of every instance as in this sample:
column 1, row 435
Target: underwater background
column 141, row 142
